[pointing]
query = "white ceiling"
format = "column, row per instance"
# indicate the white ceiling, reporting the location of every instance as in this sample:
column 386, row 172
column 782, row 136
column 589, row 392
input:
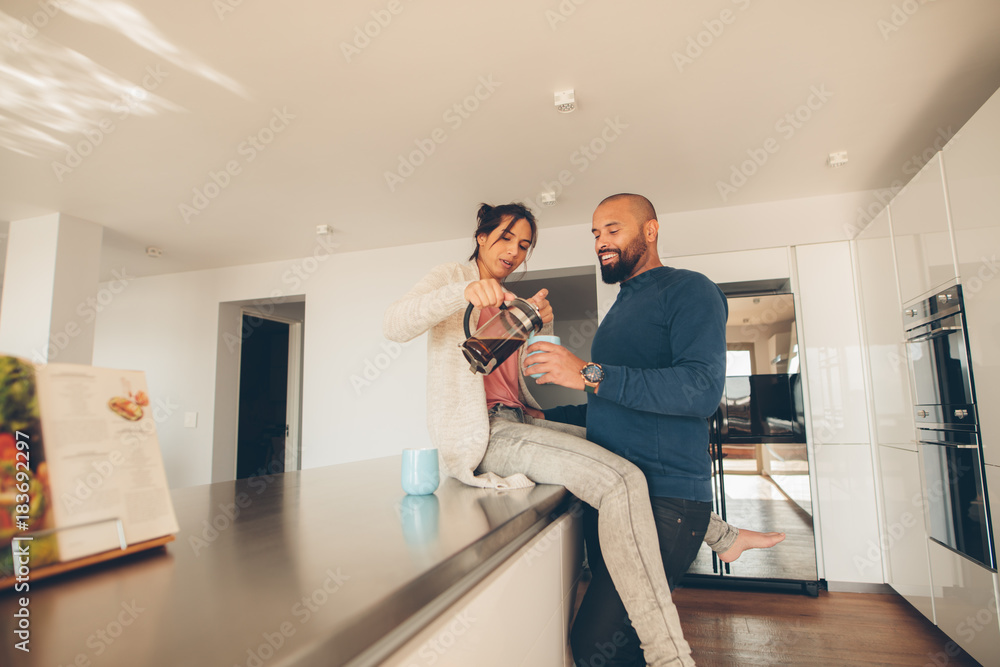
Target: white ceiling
column 84, row 79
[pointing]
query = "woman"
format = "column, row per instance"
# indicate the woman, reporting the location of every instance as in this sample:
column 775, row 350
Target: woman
column 491, row 433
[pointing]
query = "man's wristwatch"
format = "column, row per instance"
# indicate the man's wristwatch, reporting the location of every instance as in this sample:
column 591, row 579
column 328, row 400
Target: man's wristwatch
column 593, row 375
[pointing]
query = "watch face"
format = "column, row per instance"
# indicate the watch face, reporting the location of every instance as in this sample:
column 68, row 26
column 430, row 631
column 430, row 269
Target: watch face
column 593, row 373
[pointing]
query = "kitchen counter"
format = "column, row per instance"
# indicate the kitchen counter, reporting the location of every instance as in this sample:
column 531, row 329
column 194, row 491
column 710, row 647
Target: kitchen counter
column 328, row 566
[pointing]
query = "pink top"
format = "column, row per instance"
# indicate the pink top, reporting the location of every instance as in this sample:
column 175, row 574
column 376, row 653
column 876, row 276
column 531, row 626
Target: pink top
column 502, row 384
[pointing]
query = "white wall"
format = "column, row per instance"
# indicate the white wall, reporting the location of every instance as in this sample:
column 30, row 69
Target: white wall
column 168, row 326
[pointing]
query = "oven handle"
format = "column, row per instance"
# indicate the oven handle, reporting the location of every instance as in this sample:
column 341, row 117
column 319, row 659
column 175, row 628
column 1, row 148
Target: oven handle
column 948, row 444
column 943, row 331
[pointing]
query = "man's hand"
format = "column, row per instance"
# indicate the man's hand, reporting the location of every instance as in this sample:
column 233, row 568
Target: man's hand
column 543, row 305
column 487, row 293
column 559, row 365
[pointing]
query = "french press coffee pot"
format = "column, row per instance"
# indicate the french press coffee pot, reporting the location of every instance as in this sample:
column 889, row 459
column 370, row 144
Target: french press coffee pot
column 501, row 336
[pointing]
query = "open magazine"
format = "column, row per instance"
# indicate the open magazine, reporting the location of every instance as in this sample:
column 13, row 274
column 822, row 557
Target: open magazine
column 81, row 471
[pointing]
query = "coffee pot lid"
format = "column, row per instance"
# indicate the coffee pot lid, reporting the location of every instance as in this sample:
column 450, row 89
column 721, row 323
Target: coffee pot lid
column 527, row 313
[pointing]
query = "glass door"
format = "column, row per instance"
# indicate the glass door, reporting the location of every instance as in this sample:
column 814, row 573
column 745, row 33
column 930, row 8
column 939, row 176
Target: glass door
column 760, row 466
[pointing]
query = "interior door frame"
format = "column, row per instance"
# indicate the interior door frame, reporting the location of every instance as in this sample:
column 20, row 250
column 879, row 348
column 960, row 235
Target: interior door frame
column 293, row 391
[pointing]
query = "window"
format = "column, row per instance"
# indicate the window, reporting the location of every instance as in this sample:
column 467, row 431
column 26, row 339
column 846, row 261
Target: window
column 738, row 363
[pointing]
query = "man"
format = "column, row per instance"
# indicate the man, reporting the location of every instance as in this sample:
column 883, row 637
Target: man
column 658, row 371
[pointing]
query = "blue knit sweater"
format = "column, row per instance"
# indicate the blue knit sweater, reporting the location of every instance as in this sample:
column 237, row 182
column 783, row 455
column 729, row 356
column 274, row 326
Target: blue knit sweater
column 663, row 349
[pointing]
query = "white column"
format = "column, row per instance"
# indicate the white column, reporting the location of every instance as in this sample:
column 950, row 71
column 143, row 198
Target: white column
column 52, row 268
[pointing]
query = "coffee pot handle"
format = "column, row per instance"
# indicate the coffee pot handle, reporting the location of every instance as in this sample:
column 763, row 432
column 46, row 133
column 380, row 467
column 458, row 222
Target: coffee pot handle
column 468, row 316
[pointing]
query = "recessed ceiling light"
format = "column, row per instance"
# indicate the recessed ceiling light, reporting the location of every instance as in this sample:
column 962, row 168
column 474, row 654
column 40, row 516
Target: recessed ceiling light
column 566, row 101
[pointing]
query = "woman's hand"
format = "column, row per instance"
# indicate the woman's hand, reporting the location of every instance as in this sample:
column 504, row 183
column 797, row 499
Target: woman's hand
column 543, row 305
column 487, row 293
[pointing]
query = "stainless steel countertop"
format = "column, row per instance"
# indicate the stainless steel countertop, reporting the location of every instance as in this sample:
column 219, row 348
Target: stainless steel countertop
column 325, row 566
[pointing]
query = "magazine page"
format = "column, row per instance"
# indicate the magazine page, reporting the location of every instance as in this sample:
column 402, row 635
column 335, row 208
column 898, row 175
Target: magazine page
column 103, row 457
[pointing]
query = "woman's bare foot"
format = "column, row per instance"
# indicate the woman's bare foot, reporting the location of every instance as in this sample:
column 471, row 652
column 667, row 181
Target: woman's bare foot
column 750, row 539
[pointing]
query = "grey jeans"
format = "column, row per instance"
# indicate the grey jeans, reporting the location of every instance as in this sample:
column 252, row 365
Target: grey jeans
column 555, row 453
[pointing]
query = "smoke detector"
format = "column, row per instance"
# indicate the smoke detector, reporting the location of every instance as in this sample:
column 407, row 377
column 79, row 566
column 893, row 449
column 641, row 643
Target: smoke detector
column 323, row 229
column 152, row 251
column 547, row 198
column 565, row 101
column 838, row 159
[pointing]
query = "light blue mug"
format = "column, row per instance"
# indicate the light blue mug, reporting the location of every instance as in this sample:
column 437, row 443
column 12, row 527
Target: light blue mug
column 541, row 339
column 420, row 471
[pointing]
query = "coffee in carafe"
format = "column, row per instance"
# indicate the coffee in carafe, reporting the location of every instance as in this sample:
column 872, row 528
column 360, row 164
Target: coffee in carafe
column 501, row 336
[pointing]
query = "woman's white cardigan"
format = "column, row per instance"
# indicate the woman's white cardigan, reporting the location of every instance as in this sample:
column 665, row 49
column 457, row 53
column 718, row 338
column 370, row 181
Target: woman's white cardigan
column 456, row 400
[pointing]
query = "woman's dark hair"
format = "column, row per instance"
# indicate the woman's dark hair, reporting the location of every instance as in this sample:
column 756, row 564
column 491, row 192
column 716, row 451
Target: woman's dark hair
column 490, row 217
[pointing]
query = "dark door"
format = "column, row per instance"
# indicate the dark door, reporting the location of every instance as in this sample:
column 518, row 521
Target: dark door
column 260, row 442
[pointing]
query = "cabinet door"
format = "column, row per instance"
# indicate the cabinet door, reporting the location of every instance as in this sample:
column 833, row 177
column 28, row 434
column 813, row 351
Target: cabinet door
column 972, row 170
column 883, row 331
column 921, row 234
column 993, row 493
column 831, row 336
column 965, row 603
column 905, row 531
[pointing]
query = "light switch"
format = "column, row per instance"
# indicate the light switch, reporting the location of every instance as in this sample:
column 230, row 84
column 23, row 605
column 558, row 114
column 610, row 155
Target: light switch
column 190, row 419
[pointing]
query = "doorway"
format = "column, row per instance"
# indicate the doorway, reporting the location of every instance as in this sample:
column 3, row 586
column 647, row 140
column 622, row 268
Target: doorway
column 258, row 413
column 262, row 429
column 758, row 442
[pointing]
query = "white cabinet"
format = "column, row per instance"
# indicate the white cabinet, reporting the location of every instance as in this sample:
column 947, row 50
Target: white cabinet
column 883, row 330
column 993, row 493
column 965, row 603
column 831, row 338
column 518, row 615
column 921, row 234
column 905, row 533
column 972, row 170
column 847, row 516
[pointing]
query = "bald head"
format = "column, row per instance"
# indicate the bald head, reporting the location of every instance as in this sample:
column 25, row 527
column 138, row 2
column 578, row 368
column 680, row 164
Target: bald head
column 639, row 206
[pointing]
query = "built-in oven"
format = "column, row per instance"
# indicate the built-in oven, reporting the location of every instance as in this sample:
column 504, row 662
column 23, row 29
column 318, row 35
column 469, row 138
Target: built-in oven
column 947, row 425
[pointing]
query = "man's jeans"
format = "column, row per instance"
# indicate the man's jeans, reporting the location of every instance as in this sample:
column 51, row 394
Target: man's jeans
column 602, row 634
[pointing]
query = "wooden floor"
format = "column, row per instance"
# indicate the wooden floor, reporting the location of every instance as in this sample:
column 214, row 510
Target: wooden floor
column 734, row 628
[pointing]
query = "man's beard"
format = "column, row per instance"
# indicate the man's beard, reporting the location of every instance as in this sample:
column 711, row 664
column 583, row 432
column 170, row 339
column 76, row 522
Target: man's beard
column 628, row 259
